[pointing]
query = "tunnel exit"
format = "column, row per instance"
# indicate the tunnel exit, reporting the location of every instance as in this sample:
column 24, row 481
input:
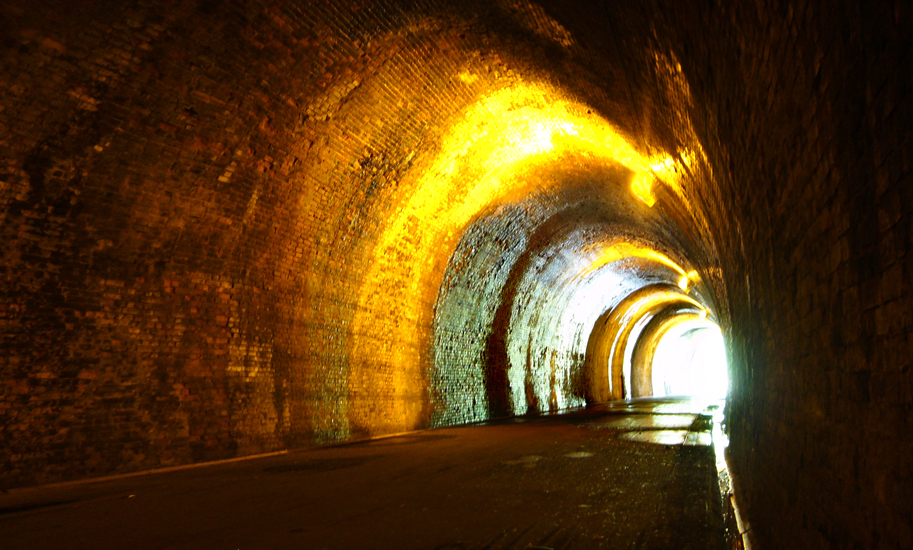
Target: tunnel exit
column 690, row 359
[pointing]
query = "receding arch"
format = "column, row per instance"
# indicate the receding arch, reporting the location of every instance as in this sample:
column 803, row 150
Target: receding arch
column 604, row 362
column 690, row 358
column 650, row 336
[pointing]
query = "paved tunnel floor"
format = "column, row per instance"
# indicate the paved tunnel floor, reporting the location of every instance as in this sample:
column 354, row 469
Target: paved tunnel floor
column 637, row 474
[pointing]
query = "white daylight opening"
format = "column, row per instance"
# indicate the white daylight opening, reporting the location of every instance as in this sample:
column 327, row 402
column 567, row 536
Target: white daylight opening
column 690, row 359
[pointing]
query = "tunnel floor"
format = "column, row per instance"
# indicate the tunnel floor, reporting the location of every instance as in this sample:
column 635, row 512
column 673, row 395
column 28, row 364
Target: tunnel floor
column 635, row 474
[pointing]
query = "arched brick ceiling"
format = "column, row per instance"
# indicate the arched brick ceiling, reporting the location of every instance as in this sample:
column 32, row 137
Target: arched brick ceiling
column 230, row 228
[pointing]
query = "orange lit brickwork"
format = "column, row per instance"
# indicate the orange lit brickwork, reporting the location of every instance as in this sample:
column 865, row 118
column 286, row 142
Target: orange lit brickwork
column 229, row 238
column 233, row 228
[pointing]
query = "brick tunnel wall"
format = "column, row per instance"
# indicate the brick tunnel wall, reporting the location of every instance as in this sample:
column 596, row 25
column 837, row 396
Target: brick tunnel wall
column 192, row 198
column 196, row 201
column 810, row 108
column 515, row 309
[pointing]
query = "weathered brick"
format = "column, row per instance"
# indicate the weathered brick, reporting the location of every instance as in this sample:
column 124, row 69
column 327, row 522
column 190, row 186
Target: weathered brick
column 194, row 200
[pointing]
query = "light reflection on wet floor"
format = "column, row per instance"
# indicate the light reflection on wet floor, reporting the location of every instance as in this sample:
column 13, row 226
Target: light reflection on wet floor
column 659, row 437
column 661, row 421
column 664, row 405
column 670, row 437
column 647, row 422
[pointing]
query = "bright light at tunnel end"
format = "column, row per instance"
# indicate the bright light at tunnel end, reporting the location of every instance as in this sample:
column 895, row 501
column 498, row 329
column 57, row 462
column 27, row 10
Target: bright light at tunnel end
column 691, row 360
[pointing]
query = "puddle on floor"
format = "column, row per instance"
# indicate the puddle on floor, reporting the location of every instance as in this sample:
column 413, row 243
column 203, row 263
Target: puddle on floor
column 698, row 439
column 658, row 437
column 669, row 437
column 664, row 405
column 646, row 422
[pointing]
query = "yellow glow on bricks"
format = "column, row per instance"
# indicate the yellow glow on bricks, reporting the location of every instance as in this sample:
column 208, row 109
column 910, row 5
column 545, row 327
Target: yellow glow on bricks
column 481, row 162
column 683, row 283
column 628, row 319
column 498, row 138
column 687, row 279
column 641, row 187
column 625, row 250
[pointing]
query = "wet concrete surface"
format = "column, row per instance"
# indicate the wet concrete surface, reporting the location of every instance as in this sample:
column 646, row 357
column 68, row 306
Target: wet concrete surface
column 625, row 475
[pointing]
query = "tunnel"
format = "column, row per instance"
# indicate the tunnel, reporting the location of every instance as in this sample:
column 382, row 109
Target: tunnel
column 234, row 228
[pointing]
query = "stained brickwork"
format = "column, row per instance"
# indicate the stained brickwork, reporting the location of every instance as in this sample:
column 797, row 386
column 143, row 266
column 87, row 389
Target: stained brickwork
column 231, row 228
column 517, row 303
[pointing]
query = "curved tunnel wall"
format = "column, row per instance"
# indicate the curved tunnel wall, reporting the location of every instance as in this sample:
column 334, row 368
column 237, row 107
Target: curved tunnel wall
column 615, row 337
column 645, row 347
column 222, row 233
column 520, row 295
